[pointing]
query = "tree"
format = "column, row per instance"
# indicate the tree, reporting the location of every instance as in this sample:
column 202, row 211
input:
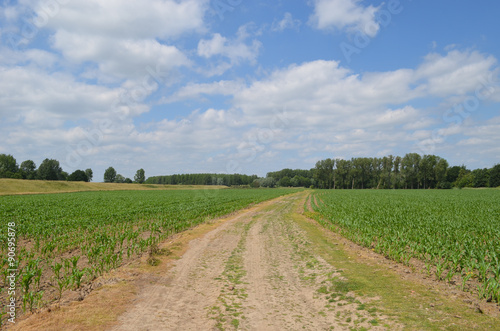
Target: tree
column 495, row 176
column 120, row 179
column 284, row 182
column 410, row 169
column 8, row 166
column 441, row 172
column 427, row 167
column 453, row 173
column 128, row 181
column 140, row 176
column 480, row 177
column 267, row 182
column 110, row 175
column 323, row 173
column 89, row 174
column 465, row 179
column 28, row 169
column 78, row 176
column 50, row 170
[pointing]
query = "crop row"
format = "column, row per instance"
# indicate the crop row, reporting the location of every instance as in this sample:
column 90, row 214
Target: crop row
column 65, row 240
column 455, row 233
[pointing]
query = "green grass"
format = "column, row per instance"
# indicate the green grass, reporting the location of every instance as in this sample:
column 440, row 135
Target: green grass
column 19, row 186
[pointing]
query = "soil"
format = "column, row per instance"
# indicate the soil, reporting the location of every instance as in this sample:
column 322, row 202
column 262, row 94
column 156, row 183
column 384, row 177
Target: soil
column 254, row 272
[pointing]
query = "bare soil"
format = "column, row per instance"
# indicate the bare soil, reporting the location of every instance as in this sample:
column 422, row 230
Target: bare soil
column 254, row 272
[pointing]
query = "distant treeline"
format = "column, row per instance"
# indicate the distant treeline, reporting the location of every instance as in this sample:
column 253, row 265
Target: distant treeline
column 412, row 171
column 49, row 169
column 203, row 179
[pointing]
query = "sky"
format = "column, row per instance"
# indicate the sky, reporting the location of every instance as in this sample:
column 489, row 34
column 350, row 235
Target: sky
column 239, row 86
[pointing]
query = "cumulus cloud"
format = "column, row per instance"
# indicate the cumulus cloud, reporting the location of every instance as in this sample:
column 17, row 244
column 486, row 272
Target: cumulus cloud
column 456, row 73
column 118, row 40
column 33, row 94
column 348, row 15
column 235, row 50
column 128, row 19
column 119, row 58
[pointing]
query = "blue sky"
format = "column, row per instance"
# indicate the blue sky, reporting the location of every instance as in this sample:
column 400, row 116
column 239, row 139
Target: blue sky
column 247, row 86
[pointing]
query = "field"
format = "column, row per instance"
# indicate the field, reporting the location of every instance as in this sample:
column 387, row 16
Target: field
column 454, row 234
column 267, row 266
column 16, row 186
column 63, row 241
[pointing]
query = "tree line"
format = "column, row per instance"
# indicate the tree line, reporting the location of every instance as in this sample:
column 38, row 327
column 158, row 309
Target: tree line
column 203, row 179
column 49, row 169
column 412, row 171
column 110, row 176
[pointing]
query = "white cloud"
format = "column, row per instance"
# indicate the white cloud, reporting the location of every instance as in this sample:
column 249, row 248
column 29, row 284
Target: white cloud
column 119, row 58
column 192, row 91
column 456, row 73
column 46, row 100
column 117, row 40
column 129, row 19
column 345, row 15
column 236, row 50
column 288, row 22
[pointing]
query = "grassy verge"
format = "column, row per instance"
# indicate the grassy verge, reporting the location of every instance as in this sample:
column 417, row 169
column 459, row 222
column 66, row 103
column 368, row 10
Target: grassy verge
column 19, row 186
column 408, row 302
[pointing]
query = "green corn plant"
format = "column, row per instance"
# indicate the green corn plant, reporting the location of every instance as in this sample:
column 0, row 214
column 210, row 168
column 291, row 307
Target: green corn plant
column 77, row 276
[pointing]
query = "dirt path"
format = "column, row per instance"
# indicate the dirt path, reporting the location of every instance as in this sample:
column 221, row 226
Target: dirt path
column 255, row 272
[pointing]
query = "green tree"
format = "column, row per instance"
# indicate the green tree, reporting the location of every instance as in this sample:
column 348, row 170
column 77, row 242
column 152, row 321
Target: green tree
column 386, row 175
column 465, row 178
column 427, row 167
column 50, row 170
column 453, row 173
column 78, row 176
column 323, row 173
column 120, row 179
column 284, row 182
column 110, row 175
column 495, row 176
column 397, row 172
column 28, row 169
column 410, row 169
column 140, row 177
column 441, row 171
column 8, row 166
column 480, row 177
column 89, row 174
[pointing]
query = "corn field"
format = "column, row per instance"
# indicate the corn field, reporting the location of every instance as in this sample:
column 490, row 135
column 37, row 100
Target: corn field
column 456, row 233
column 65, row 240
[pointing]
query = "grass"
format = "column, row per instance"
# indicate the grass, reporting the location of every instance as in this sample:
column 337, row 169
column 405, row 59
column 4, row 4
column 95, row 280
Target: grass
column 373, row 280
column 19, row 186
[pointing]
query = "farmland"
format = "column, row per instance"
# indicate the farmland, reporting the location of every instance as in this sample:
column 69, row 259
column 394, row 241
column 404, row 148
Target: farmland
column 63, row 241
column 455, row 234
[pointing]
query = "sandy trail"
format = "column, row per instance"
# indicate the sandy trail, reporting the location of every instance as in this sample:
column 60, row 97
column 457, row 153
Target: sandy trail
column 256, row 271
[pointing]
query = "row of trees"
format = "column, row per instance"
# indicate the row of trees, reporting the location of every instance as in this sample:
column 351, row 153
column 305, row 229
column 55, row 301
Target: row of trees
column 412, row 171
column 110, row 176
column 49, row 169
column 203, row 179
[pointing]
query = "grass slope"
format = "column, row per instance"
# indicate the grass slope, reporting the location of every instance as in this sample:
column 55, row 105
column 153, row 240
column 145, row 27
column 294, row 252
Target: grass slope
column 19, row 186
